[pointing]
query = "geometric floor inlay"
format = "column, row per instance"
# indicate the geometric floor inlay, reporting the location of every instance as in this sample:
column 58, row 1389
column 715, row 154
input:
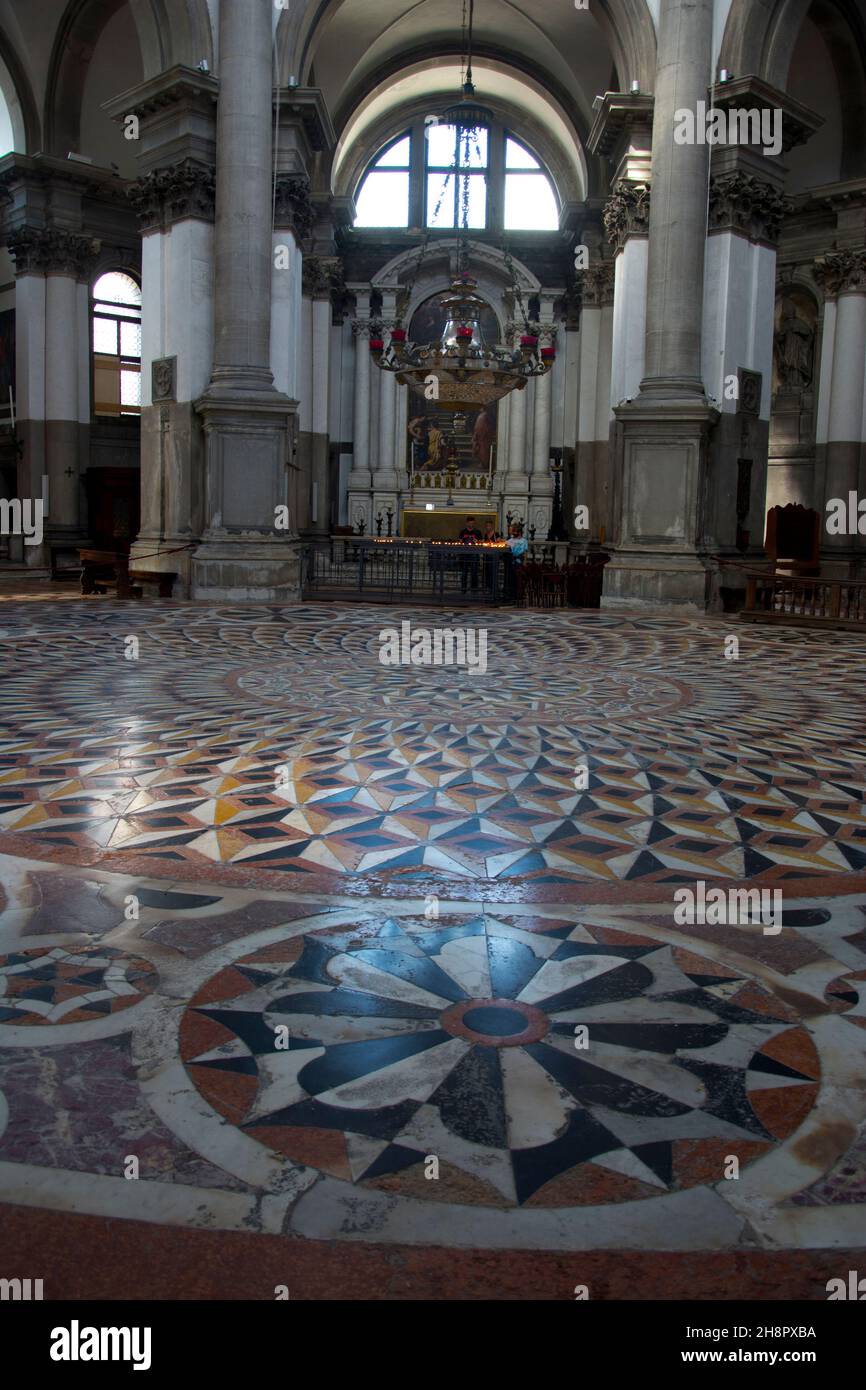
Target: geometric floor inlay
column 349, row 953
column 460, row 1042
column 55, row 985
column 274, row 740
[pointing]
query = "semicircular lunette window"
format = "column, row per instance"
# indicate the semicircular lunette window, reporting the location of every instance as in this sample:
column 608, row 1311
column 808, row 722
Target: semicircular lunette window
column 530, row 202
column 383, row 197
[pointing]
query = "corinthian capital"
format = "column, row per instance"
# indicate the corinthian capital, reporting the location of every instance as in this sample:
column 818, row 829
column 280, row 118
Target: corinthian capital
column 596, row 284
column 841, row 271
column 740, row 202
column 626, row 212
column 49, row 249
column 292, row 205
column 168, row 195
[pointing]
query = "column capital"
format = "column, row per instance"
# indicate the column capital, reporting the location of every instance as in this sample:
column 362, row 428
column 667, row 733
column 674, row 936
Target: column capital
column 627, row 212
column 293, row 209
column 169, row 195
column 323, row 277
column 596, row 284
column 47, row 250
column 842, row 272
column 747, row 205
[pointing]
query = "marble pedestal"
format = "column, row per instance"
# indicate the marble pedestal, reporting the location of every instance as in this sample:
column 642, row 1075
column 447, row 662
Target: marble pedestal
column 250, row 473
column 659, row 553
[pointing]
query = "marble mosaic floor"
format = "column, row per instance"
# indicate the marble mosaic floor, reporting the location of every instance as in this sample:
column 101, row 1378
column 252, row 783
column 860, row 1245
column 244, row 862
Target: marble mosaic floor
column 340, row 953
column 274, row 742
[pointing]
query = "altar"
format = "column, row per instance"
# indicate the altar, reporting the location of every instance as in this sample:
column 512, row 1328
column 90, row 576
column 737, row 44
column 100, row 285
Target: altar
column 444, row 523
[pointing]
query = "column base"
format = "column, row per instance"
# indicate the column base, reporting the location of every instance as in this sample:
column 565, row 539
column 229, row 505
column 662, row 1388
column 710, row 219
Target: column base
column 360, row 509
column 245, row 552
column 259, row 569
column 656, row 579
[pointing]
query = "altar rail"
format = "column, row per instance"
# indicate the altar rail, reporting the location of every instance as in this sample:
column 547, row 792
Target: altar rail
column 446, row 572
column 784, row 598
column 401, row 570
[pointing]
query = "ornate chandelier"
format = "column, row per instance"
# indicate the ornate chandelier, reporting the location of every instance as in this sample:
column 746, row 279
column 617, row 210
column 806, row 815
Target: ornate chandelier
column 461, row 371
column 467, row 371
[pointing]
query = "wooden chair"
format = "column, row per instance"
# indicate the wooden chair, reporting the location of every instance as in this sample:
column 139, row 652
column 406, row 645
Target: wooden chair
column 793, row 540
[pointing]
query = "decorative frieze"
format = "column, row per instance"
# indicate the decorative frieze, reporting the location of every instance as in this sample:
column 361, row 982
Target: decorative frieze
column 293, row 208
column 44, row 250
column 170, row 195
column 626, row 212
column 841, row 272
column 742, row 203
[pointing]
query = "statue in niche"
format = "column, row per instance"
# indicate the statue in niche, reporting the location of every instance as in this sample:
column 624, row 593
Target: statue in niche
column 793, row 350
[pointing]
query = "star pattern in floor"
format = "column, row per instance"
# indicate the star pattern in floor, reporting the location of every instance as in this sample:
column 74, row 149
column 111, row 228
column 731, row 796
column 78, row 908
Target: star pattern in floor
column 597, row 748
column 552, row 1067
column 351, row 953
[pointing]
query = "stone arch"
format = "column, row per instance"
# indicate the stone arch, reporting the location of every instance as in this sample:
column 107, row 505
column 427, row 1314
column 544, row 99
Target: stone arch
column 488, row 264
column 627, row 26
column 571, row 169
column 18, row 94
column 760, row 35
column 168, row 33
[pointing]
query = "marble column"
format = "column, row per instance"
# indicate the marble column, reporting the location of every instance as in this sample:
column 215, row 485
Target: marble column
column 678, row 212
column 53, row 406
column 843, row 278
column 319, row 499
column 592, row 471
column 360, row 477
column 626, row 217
column 320, row 274
column 247, row 421
column 385, row 475
column 622, row 133
column 746, row 212
column 541, row 483
column 516, row 483
column 661, row 437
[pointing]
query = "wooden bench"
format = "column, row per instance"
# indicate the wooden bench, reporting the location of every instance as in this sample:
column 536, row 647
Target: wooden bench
column 161, row 580
column 101, row 568
column 105, row 569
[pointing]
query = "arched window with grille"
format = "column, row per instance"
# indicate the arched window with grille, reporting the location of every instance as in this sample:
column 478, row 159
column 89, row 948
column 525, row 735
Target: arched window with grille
column 438, row 176
column 116, row 320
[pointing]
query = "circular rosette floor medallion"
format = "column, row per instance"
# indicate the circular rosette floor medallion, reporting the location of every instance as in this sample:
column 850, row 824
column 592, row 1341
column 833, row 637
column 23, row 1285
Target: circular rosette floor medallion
column 481, row 1063
column 60, row 984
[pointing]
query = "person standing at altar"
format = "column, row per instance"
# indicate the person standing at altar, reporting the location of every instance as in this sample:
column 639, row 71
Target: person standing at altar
column 482, row 437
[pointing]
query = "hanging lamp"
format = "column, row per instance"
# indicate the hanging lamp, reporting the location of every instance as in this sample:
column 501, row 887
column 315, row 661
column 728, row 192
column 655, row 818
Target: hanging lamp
column 468, row 372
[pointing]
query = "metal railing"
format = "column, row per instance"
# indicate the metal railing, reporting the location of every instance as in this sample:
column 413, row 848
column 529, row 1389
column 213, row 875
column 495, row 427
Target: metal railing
column 427, row 571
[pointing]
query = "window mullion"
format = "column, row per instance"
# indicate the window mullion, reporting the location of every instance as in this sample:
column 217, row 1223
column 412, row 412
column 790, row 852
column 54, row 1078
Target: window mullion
column 496, row 178
column 418, row 176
